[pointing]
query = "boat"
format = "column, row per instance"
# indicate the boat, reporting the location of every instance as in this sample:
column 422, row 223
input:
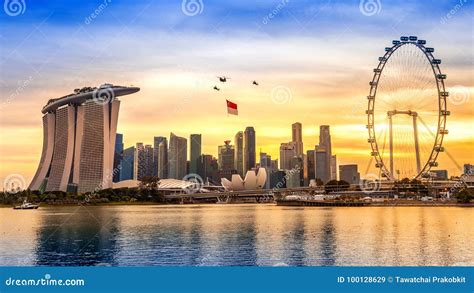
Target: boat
column 26, row 206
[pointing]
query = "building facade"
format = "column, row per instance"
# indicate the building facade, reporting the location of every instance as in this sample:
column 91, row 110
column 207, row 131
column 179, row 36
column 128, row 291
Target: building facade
column 440, row 174
column 139, row 167
column 287, row 152
column 311, row 164
column 249, row 148
column 157, row 168
column 195, row 152
column 128, row 163
column 118, row 154
column 79, row 133
column 177, row 157
column 349, row 173
column 297, row 138
column 333, row 167
column 239, row 153
column 322, row 170
column 208, row 168
column 162, row 163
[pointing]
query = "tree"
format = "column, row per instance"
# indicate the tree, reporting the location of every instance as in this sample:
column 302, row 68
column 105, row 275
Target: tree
column 465, row 195
column 149, row 183
column 319, row 182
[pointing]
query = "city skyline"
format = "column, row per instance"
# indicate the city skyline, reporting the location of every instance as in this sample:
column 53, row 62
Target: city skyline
column 177, row 88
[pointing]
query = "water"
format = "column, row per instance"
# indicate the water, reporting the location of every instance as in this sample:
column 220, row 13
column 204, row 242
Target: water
column 242, row 235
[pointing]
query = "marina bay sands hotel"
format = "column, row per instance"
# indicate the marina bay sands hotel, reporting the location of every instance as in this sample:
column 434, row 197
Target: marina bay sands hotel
column 79, row 140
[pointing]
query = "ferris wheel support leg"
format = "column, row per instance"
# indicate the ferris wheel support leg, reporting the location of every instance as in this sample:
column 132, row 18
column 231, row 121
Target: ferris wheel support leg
column 417, row 147
column 391, row 143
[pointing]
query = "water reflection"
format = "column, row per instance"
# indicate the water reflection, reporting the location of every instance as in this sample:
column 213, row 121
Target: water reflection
column 239, row 235
column 77, row 237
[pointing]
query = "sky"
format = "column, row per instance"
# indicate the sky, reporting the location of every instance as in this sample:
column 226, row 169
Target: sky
column 313, row 61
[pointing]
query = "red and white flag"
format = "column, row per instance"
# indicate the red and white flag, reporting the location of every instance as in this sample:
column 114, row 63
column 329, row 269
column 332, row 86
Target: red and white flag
column 232, row 108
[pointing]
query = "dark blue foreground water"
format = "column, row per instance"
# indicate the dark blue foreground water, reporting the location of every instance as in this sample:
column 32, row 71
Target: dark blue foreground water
column 242, row 235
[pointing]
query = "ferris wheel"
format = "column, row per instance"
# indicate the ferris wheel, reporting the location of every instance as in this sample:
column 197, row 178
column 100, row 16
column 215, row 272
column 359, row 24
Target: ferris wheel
column 406, row 115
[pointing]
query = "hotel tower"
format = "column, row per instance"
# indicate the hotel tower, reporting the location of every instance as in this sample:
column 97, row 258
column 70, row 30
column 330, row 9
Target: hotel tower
column 79, row 139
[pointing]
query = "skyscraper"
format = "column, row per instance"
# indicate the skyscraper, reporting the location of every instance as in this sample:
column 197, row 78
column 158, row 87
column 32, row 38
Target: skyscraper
column 249, row 148
column 208, row 168
column 177, row 157
column 118, row 157
column 139, row 167
column 79, row 140
column 148, row 160
column 333, row 167
column 325, row 144
column 226, row 154
column 287, row 152
column 322, row 170
column 349, row 173
column 128, row 159
column 311, row 163
column 239, row 152
column 297, row 138
column 163, row 159
column 297, row 168
column 156, row 146
column 195, row 152
column 266, row 162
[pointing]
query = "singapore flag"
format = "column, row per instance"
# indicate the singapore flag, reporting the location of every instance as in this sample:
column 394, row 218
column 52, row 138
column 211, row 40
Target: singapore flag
column 232, row 108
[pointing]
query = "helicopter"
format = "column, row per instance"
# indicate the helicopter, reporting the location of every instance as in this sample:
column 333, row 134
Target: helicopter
column 255, row 82
column 223, row 78
column 216, row 88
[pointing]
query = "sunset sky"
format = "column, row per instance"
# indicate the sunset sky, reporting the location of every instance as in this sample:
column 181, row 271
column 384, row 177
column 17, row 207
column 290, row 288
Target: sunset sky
column 320, row 55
